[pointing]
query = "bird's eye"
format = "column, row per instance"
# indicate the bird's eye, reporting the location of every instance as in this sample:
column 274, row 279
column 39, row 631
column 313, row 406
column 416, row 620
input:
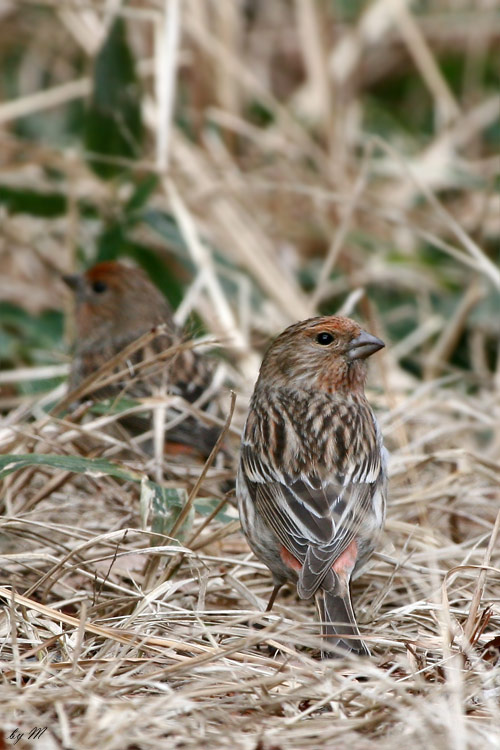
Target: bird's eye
column 324, row 338
column 99, row 286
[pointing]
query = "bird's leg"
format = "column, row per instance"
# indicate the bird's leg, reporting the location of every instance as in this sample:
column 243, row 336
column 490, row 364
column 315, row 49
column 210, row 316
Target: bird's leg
column 274, row 594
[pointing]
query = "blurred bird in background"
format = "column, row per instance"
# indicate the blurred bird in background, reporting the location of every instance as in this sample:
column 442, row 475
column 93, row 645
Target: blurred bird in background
column 115, row 305
column 312, row 476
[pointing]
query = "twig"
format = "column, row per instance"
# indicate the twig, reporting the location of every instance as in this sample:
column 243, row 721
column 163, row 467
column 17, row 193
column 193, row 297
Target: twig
column 167, row 34
column 478, row 590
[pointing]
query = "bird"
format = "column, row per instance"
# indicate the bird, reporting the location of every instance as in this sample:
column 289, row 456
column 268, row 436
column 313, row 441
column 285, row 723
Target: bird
column 115, row 304
column 312, row 477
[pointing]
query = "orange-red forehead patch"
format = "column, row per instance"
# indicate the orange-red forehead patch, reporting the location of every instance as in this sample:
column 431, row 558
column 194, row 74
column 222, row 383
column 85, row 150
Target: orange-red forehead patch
column 338, row 325
column 105, row 270
column 334, row 324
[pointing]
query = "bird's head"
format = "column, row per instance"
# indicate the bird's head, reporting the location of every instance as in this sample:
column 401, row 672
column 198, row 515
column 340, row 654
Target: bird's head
column 324, row 353
column 115, row 299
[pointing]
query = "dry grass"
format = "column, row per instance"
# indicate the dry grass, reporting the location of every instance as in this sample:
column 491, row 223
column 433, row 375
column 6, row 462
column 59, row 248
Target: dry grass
column 102, row 661
column 106, row 648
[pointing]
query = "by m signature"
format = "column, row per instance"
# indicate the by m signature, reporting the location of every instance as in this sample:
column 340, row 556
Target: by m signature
column 33, row 734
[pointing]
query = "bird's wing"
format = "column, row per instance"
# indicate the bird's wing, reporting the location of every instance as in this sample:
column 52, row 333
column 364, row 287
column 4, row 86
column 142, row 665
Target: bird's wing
column 315, row 519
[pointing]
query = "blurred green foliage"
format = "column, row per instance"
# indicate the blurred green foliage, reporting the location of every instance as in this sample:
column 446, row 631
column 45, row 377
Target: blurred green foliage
column 113, row 124
column 108, row 129
column 32, row 202
column 28, row 337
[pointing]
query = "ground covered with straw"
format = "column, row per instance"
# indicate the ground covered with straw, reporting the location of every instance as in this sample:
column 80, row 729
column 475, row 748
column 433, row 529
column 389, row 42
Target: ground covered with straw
column 263, row 162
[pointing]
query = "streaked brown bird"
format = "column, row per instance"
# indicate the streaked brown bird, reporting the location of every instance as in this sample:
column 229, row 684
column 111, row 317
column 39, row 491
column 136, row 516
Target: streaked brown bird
column 312, row 477
column 115, row 305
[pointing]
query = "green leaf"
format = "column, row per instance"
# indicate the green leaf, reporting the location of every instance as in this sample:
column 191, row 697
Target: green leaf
column 113, row 122
column 166, row 226
column 141, row 193
column 164, row 505
column 94, row 467
column 161, row 275
column 33, row 202
column 26, row 338
column 206, row 505
column 111, row 242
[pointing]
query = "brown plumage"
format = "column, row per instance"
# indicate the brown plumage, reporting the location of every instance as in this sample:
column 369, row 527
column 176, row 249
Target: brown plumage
column 312, row 480
column 115, row 305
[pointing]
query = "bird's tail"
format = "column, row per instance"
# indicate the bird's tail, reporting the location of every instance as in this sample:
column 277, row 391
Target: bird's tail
column 338, row 625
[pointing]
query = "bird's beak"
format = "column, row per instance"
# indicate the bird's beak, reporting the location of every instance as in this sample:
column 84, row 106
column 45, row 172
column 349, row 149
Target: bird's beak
column 73, row 280
column 363, row 346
